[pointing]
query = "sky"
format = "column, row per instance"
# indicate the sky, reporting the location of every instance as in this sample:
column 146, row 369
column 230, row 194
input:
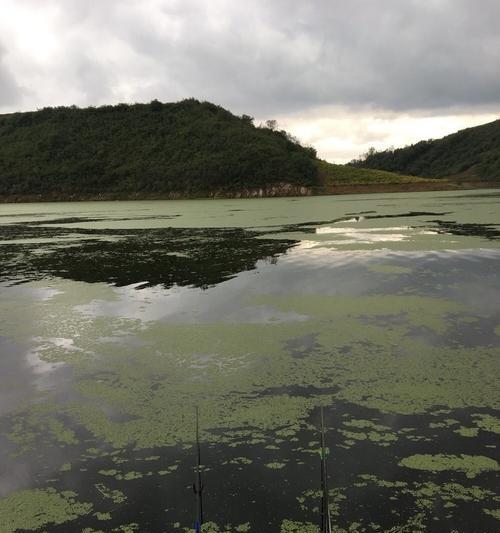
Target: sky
column 341, row 75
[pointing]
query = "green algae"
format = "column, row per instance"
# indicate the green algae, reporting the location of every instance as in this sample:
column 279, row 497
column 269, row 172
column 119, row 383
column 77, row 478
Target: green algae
column 289, row 526
column 115, row 495
column 377, row 433
column 470, row 465
column 275, row 465
column 310, row 500
column 102, row 516
column 366, row 424
column 132, row 527
column 366, row 356
column 212, row 527
column 467, row 431
column 111, row 472
column 36, row 508
column 128, row 476
column 417, row 310
column 168, row 470
column 214, row 362
column 38, row 423
column 495, row 513
column 487, row 423
column 426, row 496
column 238, row 461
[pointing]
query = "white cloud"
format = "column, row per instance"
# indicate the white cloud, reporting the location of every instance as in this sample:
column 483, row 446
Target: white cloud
column 340, row 135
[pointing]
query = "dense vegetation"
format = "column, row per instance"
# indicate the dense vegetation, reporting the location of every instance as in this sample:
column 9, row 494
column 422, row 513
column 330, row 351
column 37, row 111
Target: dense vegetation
column 470, row 153
column 330, row 175
column 189, row 147
column 193, row 148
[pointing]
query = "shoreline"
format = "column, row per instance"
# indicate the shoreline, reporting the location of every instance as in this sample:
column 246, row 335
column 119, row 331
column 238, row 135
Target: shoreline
column 280, row 191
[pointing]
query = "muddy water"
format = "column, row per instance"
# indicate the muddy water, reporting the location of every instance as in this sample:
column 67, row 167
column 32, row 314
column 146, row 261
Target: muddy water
column 118, row 319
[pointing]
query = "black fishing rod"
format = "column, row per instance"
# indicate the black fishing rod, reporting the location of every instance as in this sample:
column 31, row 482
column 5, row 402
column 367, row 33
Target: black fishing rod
column 198, row 484
column 326, row 525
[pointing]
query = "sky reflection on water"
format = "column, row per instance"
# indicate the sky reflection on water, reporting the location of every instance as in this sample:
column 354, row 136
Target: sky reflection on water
column 109, row 340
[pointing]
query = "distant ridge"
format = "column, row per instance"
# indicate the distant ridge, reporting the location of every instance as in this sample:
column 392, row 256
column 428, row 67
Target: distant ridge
column 469, row 154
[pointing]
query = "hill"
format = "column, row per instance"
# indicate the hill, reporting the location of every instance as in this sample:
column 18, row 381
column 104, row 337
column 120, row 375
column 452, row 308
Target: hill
column 470, row 154
column 198, row 149
column 190, row 148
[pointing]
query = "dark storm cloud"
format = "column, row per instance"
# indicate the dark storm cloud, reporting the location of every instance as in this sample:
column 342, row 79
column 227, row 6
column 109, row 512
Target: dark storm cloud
column 282, row 56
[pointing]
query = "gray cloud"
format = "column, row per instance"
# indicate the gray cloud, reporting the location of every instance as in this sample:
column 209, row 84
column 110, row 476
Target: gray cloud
column 273, row 57
column 10, row 92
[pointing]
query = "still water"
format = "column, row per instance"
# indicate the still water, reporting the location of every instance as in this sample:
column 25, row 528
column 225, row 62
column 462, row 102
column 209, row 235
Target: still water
column 118, row 319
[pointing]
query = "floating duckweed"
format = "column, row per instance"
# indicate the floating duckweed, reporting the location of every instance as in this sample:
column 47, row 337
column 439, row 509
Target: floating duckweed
column 470, row 465
column 235, row 378
column 378, row 433
column 102, row 516
column 127, row 528
column 116, row 496
column 275, row 466
column 239, row 461
column 487, row 423
column 110, row 472
column 33, row 509
column 289, row 526
column 366, row 424
column 495, row 513
column 212, row 527
column 466, row 431
column 168, row 470
column 130, row 475
column 38, row 419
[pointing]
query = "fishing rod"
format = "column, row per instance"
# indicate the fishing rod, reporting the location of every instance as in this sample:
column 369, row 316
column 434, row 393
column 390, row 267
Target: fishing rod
column 326, row 525
column 198, row 484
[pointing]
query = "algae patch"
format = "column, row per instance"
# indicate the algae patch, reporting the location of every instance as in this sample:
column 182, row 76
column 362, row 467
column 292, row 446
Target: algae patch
column 470, row 465
column 33, row 509
column 487, row 423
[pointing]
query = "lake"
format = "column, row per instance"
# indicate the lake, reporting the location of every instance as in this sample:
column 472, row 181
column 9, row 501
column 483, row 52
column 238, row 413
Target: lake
column 119, row 319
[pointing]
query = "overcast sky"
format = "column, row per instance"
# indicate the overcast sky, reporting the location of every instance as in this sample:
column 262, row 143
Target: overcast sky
column 342, row 75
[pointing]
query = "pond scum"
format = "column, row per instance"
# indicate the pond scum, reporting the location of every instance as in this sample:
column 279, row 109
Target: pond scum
column 402, row 380
column 411, row 408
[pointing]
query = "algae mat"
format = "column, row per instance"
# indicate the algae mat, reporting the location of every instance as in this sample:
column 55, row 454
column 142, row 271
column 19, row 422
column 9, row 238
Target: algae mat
column 118, row 319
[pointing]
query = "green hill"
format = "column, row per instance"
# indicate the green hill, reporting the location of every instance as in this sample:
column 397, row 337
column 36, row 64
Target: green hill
column 196, row 149
column 470, row 154
column 189, row 147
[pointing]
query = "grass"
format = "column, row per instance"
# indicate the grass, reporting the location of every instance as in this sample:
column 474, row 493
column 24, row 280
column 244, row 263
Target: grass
column 331, row 174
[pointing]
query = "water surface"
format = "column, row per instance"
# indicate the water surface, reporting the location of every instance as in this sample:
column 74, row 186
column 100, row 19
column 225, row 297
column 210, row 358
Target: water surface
column 117, row 319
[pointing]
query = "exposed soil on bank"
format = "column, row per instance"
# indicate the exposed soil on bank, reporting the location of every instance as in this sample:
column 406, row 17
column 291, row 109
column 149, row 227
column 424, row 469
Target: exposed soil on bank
column 275, row 191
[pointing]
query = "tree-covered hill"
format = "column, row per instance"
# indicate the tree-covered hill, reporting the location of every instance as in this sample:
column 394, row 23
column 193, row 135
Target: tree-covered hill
column 473, row 153
column 189, row 147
